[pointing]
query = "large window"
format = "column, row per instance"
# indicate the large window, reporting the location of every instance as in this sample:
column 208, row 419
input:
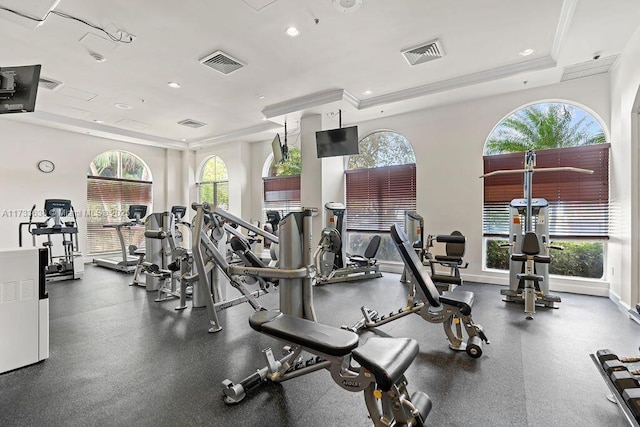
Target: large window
column 381, row 186
column 115, row 180
column 282, row 185
column 561, row 135
column 213, row 186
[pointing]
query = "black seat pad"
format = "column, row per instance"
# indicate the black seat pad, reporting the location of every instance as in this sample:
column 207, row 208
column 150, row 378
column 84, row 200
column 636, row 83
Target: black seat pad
column 386, row 358
column 542, row 259
column 242, row 248
column 309, row 334
column 440, row 278
column 461, row 299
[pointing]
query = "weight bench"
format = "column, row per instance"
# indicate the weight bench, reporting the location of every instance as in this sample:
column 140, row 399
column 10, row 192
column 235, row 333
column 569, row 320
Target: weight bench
column 380, row 374
column 450, row 308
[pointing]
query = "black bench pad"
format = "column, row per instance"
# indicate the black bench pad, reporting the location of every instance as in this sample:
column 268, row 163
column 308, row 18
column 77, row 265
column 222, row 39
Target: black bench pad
column 461, row 299
column 386, row 358
column 309, row 334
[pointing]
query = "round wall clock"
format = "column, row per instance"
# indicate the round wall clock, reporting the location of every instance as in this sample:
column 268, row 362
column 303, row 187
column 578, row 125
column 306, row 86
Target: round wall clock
column 46, row 166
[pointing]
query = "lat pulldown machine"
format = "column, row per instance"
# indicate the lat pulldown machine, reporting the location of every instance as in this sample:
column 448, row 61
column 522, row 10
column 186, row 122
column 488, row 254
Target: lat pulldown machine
column 529, row 241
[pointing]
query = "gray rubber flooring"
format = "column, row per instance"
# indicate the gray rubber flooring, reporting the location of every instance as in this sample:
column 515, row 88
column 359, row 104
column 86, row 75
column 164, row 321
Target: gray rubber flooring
column 120, row 359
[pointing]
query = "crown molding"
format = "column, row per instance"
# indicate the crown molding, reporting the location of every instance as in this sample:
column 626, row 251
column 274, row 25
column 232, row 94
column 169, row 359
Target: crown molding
column 566, row 15
column 43, row 118
column 218, row 139
column 459, row 82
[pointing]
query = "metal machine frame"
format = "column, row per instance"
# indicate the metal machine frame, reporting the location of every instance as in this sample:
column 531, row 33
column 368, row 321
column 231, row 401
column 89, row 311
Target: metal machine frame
column 528, row 279
column 381, row 362
column 332, row 262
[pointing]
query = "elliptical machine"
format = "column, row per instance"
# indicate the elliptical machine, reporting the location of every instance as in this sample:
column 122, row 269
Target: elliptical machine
column 68, row 265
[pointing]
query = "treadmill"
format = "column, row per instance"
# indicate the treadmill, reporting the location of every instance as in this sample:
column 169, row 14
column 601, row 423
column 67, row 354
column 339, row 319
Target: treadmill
column 125, row 262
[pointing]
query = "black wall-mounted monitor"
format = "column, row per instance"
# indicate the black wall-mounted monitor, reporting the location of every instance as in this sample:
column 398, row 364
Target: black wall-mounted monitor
column 18, row 88
column 337, row 142
column 137, row 211
column 280, row 152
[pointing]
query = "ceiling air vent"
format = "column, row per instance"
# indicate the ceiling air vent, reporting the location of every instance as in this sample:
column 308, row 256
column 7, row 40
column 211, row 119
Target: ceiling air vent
column 426, row 52
column 49, row 83
column 191, row 123
column 589, row 68
column 222, row 62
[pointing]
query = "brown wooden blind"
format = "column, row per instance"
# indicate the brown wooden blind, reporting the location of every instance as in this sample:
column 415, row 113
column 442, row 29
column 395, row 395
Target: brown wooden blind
column 378, row 197
column 108, row 201
column 578, row 203
column 282, row 194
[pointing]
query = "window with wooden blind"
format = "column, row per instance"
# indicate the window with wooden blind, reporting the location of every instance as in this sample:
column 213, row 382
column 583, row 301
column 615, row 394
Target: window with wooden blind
column 578, row 203
column 377, row 198
column 380, row 187
column 115, row 180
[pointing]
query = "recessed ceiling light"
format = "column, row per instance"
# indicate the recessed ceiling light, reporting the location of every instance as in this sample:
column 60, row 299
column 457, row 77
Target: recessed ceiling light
column 99, row 121
column 526, row 52
column 293, row 32
column 123, row 106
column 174, row 85
column 184, row 139
column 259, row 96
column 367, row 92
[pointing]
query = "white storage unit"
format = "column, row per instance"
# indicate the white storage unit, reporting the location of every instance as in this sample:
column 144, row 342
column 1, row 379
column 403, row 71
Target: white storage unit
column 24, row 308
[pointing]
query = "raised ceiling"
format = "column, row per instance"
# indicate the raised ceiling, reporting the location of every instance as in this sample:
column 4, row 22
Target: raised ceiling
column 338, row 56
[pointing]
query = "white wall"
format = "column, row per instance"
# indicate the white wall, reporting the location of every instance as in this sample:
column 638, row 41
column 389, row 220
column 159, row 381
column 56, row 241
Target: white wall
column 624, row 245
column 22, row 184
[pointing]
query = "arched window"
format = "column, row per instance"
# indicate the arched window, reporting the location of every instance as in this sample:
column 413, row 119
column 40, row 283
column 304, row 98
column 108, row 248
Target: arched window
column 115, row 180
column 560, row 135
column 282, row 184
column 381, row 186
column 214, row 183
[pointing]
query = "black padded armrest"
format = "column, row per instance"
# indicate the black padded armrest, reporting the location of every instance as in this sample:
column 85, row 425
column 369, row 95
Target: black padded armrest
column 542, row 259
column 309, row 334
column 386, row 358
column 449, row 259
column 450, row 238
column 460, row 299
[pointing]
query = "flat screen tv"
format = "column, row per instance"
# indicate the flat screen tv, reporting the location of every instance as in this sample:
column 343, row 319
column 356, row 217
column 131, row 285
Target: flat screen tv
column 337, row 142
column 280, row 152
column 18, row 88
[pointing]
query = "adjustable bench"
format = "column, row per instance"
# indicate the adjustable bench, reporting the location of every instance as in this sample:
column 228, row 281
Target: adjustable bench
column 450, row 308
column 380, row 374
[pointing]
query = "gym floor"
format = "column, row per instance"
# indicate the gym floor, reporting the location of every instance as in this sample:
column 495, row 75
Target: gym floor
column 118, row 358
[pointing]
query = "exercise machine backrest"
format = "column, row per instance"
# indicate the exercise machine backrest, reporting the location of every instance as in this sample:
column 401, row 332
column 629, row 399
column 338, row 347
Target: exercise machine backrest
column 372, row 247
column 530, row 244
column 411, row 260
